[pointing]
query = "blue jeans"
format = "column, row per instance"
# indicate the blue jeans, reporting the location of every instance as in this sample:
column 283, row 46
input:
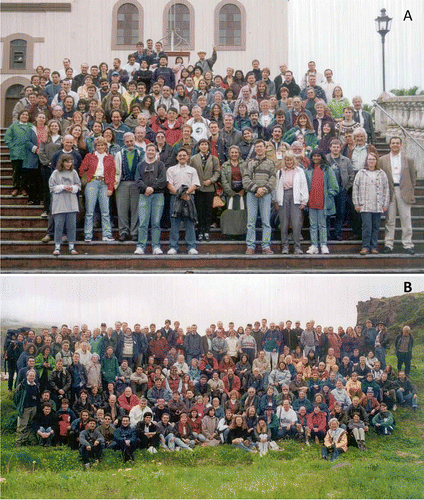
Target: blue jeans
column 264, row 205
column 380, row 354
column 318, row 226
column 150, row 209
column 96, row 190
column 336, row 452
column 340, row 200
column 406, row 398
column 68, row 220
column 45, row 441
column 190, row 234
column 172, row 441
column 370, row 228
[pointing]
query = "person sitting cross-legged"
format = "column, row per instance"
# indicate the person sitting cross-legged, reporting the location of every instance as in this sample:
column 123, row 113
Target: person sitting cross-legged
column 384, row 422
column 125, row 437
column 91, row 443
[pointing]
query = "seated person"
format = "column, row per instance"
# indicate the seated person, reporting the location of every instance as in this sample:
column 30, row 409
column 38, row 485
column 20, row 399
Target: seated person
column 357, row 427
column 147, row 433
column 125, row 438
column 371, row 404
column 91, row 443
column 384, row 421
column 288, row 420
column 335, row 441
column 106, row 429
column 45, row 425
column 317, row 424
column 405, row 391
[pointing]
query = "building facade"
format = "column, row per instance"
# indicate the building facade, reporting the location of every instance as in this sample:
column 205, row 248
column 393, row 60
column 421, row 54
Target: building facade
column 43, row 33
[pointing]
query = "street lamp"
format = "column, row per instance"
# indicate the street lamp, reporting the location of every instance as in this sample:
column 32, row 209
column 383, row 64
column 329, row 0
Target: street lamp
column 383, row 23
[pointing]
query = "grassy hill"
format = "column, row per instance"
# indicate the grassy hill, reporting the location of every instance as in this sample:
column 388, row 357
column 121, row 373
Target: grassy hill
column 392, row 467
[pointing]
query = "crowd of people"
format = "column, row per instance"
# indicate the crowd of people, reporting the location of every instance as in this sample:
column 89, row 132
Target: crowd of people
column 125, row 388
column 172, row 145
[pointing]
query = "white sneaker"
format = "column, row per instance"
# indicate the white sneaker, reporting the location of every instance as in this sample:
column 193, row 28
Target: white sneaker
column 172, row 251
column 109, row 239
column 157, row 251
column 312, row 249
column 139, row 251
column 193, row 251
column 324, row 249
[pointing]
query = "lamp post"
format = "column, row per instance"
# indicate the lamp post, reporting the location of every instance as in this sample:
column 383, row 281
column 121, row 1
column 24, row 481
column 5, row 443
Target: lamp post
column 383, row 23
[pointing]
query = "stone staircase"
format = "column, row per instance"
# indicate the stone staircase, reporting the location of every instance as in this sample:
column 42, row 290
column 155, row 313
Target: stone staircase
column 22, row 251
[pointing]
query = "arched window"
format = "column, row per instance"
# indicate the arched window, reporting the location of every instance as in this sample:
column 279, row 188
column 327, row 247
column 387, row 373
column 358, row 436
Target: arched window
column 127, row 29
column 230, row 26
column 178, row 25
column 18, row 54
column 127, row 25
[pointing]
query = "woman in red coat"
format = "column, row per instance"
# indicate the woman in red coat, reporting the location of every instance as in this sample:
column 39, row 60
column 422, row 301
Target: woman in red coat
column 159, row 347
column 99, row 170
column 317, row 424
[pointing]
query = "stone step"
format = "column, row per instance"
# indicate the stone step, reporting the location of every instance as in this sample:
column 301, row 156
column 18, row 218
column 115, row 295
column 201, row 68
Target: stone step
column 21, row 210
column 7, row 199
column 204, row 248
column 217, row 263
column 36, row 233
column 29, row 221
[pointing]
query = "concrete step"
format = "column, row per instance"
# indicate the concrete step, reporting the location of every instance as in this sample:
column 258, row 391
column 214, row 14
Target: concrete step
column 7, row 199
column 216, row 263
column 204, row 248
column 38, row 231
column 21, row 210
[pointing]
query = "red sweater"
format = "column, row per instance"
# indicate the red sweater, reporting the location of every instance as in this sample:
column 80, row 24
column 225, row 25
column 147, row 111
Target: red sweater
column 89, row 167
column 123, row 402
column 316, row 195
column 317, row 420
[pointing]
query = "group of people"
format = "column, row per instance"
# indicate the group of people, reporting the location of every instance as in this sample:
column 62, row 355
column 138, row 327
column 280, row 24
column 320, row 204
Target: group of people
column 170, row 145
column 122, row 388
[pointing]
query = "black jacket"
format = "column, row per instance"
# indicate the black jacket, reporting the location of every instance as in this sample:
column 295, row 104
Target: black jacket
column 183, row 208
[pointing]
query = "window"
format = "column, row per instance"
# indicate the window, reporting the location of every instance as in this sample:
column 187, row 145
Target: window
column 178, row 25
column 127, row 25
column 18, row 54
column 230, row 26
column 127, row 28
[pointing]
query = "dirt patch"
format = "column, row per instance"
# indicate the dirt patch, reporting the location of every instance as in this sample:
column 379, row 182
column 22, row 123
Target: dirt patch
column 406, row 454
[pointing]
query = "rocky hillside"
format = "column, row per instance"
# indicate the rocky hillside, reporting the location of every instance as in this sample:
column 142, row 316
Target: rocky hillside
column 395, row 312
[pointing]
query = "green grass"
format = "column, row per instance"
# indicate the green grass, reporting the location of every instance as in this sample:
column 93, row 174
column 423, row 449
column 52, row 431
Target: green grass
column 393, row 467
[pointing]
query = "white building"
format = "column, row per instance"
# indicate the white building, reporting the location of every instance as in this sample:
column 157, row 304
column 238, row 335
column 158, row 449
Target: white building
column 337, row 34
column 36, row 32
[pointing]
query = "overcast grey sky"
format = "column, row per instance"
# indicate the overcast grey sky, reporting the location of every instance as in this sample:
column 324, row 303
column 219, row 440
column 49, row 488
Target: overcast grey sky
column 330, row 300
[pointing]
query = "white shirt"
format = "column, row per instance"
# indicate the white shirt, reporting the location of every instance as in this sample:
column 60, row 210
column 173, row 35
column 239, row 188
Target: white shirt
column 396, row 162
column 328, row 88
column 100, row 168
column 130, row 68
column 182, row 175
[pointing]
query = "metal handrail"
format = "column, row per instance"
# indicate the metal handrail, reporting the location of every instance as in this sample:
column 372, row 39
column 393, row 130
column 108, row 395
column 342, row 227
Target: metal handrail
column 405, row 132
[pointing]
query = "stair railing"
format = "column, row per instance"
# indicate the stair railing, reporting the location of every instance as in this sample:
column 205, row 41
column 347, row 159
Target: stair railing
column 405, row 132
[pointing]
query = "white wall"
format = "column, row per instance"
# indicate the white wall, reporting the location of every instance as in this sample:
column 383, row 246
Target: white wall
column 339, row 34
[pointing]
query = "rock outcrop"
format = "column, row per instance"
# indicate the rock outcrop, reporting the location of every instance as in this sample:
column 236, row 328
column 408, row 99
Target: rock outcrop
column 394, row 312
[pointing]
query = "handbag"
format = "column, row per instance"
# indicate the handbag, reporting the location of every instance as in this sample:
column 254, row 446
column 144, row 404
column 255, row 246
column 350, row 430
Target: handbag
column 234, row 222
column 218, row 202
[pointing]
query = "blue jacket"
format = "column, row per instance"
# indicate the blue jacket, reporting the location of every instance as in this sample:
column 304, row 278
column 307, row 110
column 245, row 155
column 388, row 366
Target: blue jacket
column 122, row 434
column 192, row 345
column 120, row 348
column 75, row 155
